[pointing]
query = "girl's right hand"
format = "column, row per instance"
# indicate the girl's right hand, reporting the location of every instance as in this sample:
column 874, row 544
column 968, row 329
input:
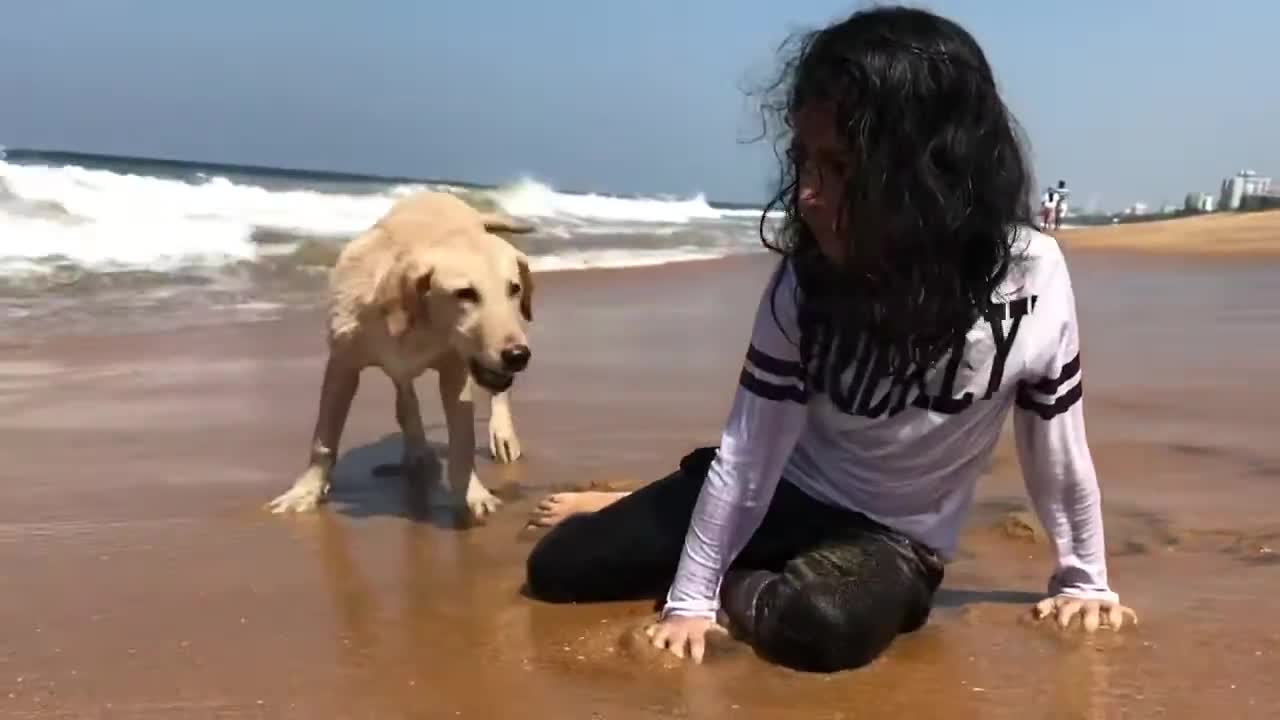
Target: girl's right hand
column 678, row 634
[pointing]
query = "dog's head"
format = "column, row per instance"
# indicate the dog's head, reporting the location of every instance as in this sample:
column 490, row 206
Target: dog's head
column 478, row 294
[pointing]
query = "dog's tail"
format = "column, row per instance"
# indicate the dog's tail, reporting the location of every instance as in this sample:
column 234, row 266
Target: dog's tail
column 501, row 223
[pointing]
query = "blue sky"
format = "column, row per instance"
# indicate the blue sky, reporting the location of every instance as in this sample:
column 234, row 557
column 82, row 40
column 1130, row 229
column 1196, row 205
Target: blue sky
column 1127, row 100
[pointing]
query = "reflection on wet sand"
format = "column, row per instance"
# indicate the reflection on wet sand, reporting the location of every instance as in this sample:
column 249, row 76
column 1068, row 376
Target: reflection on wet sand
column 148, row 580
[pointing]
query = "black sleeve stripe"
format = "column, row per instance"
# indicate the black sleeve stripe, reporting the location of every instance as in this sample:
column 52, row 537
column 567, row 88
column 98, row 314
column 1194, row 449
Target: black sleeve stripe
column 772, row 391
column 773, row 365
column 1050, row 386
column 1048, row 411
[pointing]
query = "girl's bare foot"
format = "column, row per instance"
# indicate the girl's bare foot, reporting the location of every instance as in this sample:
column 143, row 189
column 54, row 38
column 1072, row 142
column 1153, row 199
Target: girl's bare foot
column 553, row 509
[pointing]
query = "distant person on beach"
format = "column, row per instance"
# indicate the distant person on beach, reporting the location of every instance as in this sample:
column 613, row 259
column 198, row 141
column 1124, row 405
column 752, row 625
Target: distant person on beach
column 1053, row 206
column 1048, row 209
column 912, row 308
column 1060, row 204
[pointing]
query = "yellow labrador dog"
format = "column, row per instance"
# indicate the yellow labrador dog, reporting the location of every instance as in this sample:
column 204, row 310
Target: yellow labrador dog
column 429, row 286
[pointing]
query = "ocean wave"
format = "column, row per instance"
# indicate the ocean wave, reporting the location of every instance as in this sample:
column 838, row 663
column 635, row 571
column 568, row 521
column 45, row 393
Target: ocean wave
column 122, row 243
column 533, row 199
column 631, row 258
column 101, row 220
column 753, row 213
column 103, row 195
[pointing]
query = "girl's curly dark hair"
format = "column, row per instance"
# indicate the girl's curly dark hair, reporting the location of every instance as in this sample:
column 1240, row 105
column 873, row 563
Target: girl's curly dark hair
column 937, row 182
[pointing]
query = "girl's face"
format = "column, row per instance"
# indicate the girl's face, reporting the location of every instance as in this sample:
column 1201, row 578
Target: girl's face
column 821, row 172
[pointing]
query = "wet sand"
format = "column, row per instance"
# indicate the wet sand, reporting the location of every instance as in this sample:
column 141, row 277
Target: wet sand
column 140, row 579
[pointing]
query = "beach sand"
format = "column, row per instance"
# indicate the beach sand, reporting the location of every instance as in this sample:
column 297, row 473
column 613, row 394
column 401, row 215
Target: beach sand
column 139, row 577
column 1241, row 235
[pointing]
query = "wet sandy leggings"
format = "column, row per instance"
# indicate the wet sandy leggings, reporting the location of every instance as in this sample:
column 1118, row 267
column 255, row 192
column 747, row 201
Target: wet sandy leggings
column 817, row 588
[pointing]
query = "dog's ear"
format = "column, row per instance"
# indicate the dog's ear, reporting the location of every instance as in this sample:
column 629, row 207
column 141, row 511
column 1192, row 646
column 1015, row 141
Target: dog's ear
column 496, row 222
column 415, row 284
column 400, row 291
column 526, row 294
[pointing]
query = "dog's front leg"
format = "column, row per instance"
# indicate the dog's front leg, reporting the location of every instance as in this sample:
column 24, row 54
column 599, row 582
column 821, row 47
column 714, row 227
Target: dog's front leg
column 341, row 380
column 459, row 415
column 503, row 443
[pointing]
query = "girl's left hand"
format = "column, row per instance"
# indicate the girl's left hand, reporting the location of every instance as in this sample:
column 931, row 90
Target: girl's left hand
column 1093, row 613
column 676, row 633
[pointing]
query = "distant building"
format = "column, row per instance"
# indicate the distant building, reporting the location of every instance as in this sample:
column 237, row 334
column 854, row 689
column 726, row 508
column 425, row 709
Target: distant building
column 1263, row 201
column 1242, row 185
column 1199, row 202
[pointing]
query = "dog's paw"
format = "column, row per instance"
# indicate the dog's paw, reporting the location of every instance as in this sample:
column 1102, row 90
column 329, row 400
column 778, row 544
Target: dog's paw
column 302, row 497
column 482, row 503
column 504, row 446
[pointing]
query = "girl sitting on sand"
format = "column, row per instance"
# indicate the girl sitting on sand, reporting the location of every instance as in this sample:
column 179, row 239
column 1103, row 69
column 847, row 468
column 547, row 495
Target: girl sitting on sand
column 913, row 307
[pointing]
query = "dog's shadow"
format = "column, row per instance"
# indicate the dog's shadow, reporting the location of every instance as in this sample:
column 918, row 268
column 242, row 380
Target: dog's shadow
column 368, row 481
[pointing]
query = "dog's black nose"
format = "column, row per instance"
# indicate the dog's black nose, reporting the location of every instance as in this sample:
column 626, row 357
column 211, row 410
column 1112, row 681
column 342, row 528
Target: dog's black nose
column 516, row 357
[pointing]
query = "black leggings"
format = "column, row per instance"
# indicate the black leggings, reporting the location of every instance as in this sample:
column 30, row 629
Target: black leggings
column 817, row 587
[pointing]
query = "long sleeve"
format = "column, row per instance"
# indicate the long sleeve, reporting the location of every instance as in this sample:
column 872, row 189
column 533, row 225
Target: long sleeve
column 768, row 414
column 1053, row 448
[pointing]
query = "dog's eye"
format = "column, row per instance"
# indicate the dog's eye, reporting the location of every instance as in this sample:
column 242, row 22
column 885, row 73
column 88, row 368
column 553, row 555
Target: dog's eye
column 467, row 295
column 513, row 289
